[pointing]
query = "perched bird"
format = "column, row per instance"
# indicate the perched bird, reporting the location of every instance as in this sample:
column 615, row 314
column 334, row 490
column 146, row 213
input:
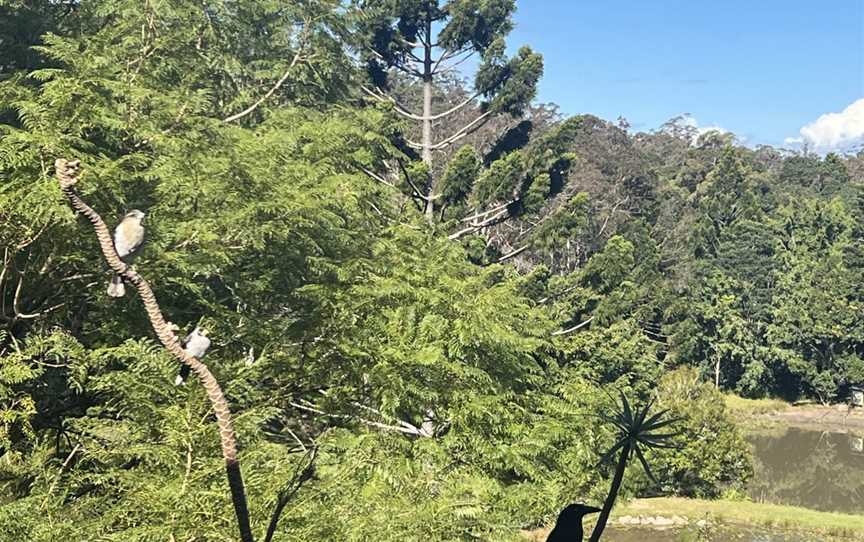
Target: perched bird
column 568, row 528
column 128, row 236
column 195, row 344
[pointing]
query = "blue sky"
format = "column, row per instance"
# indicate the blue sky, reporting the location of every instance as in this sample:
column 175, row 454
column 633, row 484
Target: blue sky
column 762, row 69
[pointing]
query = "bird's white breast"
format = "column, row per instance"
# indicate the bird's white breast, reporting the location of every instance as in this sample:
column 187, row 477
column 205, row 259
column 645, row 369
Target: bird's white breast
column 128, row 236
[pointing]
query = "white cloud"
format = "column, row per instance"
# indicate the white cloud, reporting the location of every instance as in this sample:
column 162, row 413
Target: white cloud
column 834, row 131
column 686, row 125
column 691, row 122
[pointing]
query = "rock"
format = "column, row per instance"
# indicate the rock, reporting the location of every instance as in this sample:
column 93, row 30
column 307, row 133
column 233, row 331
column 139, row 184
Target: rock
column 701, row 523
column 628, row 520
column 678, row 520
column 660, row 521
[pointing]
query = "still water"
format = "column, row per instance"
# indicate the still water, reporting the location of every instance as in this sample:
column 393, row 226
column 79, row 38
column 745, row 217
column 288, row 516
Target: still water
column 815, row 469
column 822, row 470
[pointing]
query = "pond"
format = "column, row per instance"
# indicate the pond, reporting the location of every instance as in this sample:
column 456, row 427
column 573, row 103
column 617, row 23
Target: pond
column 821, row 470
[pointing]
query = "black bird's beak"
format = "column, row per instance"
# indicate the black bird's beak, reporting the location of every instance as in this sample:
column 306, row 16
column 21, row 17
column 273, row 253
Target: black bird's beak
column 591, row 510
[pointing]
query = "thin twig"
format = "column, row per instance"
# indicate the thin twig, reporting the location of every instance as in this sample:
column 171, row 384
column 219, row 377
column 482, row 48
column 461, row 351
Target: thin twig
column 291, row 489
column 513, row 253
column 386, row 98
column 59, row 473
column 475, row 227
column 269, row 93
column 399, row 429
column 574, row 328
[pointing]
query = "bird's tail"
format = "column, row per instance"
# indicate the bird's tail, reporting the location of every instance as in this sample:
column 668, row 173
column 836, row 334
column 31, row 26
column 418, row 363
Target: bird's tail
column 116, row 287
column 184, row 374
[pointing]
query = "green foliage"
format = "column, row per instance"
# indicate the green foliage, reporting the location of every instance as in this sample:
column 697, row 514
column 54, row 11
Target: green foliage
column 448, row 397
column 387, row 32
column 509, row 85
column 502, row 181
column 711, row 456
column 553, row 233
column 635, row 433
column 815, row 326
column 458, row 180
column 477, row 23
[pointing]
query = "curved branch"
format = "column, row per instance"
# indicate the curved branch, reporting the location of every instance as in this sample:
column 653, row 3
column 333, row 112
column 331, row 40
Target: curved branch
column 68, row 174
column 513, row 253
column 456, row 107
column 414, row 144
column 494, row 219
column 301, row 475
column 572, row 329
column 427, row 199
column 487, row 212
column 270, row 92
column 379, row 95
column 467, row 130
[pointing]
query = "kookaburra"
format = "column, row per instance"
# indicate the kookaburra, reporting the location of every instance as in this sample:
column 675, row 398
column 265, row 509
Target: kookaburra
column 128, row 236
column 195, row 344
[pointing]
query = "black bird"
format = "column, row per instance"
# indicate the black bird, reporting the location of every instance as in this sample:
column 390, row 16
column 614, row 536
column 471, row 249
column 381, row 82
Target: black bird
column 568, row 528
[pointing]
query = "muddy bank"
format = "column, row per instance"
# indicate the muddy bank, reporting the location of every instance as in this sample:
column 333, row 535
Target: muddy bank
column 835, row 416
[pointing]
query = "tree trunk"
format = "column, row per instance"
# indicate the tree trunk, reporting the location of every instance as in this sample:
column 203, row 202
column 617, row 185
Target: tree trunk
column 613, row 494
column 426, row 142
column 717, row 371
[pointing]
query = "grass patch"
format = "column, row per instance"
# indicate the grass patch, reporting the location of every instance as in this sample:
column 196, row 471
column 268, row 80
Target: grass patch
column 753, row 412
column 770, row 516
column 753, row 407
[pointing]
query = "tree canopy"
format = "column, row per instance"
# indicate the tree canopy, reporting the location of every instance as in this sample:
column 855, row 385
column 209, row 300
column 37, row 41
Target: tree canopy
column 448, row 376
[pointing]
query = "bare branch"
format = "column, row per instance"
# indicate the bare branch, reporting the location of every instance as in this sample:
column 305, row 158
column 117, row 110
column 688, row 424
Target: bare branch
column 401, row 428
column 473, row 228
column 402, row 423
column 382, row 180
column 447, row 55
column 453, row 66
column 59, row 473
column 376, row 177
column 574, row 328
column 444, row 56
column 269, row 93
column 411, row 183
column 414, row 144
column 513, row 253
column 301, row 475
column 612, row 212
column 455, row 108
column 382, row 97
column 488, row 212
column 468, row 129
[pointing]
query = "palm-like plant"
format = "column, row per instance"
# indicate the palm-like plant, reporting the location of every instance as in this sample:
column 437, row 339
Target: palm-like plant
column 636, row 433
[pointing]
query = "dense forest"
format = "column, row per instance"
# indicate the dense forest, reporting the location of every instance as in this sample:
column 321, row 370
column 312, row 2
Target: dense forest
column 424, row 289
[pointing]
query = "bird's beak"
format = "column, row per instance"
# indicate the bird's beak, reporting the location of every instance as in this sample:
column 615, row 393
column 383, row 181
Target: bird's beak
column 591, row 510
